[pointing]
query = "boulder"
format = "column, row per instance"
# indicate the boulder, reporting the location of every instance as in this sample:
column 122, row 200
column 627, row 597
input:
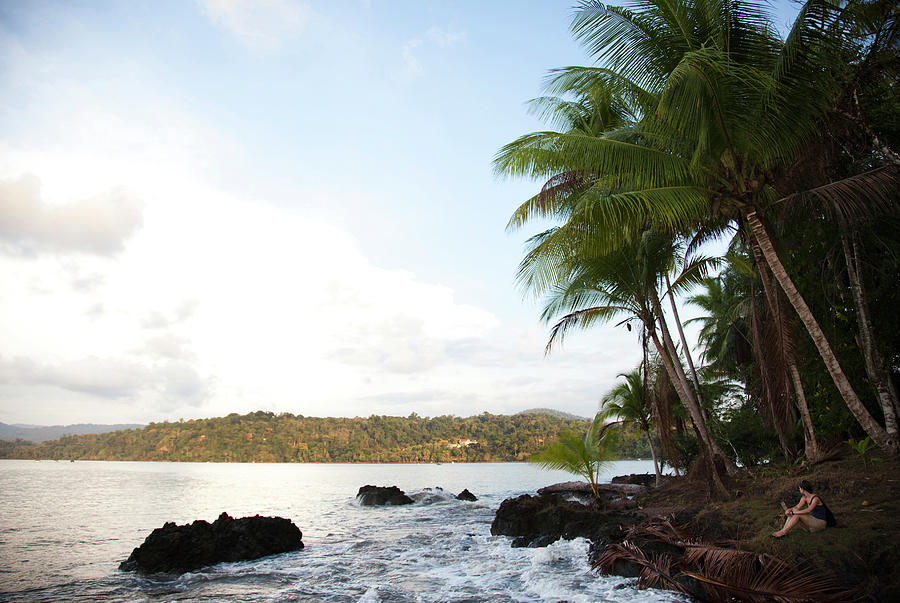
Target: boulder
column 609, row 493
column 382, row 495
column 466, row 495
column 641, row 479
column 541, row 520
column 178, row 549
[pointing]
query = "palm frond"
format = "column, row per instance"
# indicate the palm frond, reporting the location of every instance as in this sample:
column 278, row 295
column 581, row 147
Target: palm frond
column 546, row 154
column 757, row 577
column 875, row 191
column 655, row 570
column 581, row 319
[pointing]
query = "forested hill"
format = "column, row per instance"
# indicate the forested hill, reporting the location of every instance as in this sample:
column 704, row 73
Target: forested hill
column 41, row 433
column 267, row 437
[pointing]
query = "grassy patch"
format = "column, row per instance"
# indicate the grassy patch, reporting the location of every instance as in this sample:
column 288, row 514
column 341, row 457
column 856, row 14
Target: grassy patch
column 862, row 550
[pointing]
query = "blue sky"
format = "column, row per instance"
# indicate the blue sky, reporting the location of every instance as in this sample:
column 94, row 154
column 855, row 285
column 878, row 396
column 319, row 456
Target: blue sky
column 223, row 206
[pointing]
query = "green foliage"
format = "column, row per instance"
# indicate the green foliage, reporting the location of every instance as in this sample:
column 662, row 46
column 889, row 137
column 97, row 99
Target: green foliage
column 270, row 438
column 628, row 442
column 581, row 455
column 741, row 430
column 697, row 120
column 863, row 448
column 686, row 447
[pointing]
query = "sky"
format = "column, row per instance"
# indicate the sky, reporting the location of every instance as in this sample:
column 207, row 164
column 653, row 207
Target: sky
column 221, row 206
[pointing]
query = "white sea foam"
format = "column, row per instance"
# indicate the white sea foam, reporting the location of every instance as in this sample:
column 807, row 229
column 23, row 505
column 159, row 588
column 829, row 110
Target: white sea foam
column 438, row 549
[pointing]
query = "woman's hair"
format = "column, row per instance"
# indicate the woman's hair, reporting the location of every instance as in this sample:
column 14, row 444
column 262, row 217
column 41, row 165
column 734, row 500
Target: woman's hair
column 806, row 486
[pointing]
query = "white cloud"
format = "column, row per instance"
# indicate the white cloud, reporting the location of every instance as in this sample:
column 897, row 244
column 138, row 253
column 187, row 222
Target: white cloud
column 412, row 65
column 163, row 385
column 434, row 36
column 156, row 319
column 220, row 300
column 98, row 225
column 445, row 38
column 170, row 346
column 259, row 24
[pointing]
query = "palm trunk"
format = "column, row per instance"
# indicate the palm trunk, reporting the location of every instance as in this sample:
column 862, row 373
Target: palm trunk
column 648, row 403
column 810, row 444
column 706, row 441
column 661, row 409
column 885, row 441
column 684, row 345
column 682, row 380
column 653, row 454
column 887, row 394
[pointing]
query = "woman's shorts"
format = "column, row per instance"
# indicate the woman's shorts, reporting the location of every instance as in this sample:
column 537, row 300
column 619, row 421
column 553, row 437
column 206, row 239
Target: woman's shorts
column 814, row 524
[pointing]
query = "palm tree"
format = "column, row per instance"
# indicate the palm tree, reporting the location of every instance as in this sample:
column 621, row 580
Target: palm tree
column 627, row 403
column 624, row 283
column 724, row 108
column 743, row 341
column 579, row 454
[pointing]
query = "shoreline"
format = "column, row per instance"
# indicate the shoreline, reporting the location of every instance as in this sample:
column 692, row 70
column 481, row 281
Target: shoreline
column 96, row 460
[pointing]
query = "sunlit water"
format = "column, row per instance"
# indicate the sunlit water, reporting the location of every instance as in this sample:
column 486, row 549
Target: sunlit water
column 64, row 528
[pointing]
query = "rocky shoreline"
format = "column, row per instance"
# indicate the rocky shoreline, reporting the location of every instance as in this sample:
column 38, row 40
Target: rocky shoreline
column 671, row 536
column 675, row 536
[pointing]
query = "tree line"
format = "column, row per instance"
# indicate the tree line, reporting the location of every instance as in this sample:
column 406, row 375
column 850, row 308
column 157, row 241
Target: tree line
column 284, row 438
column 698, row 123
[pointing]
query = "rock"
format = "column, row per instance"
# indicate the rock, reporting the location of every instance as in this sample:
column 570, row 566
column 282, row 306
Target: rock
column 546, row 518
column 178, row 549
column 466, row 495
column 640, row 479
column 582, row 491
column 567, row 487
column 382, row 495
column 533, row 543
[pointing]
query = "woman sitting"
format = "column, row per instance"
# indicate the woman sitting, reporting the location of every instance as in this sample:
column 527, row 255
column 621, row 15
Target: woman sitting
column 812, row 517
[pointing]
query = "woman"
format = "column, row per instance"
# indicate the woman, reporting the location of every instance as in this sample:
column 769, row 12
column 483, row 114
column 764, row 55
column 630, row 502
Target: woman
column 812, row 517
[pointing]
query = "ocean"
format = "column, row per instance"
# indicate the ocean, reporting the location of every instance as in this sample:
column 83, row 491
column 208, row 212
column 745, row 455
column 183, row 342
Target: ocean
column 65, row 527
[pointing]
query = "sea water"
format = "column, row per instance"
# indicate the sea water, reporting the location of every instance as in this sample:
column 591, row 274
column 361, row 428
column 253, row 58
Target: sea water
column 65, row 527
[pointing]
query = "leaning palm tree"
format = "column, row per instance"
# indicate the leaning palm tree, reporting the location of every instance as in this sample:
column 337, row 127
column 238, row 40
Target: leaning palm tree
column 627, row 404
column 576, row 453
column 624, row 283
column 725, row 109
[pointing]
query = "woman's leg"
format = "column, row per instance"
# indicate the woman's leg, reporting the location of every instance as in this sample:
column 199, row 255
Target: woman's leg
column 789, row 524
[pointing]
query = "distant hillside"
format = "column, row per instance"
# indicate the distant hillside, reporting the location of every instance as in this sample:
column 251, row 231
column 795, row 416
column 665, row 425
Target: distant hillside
column 554, row 413
column 41, row 433
column 266, row 437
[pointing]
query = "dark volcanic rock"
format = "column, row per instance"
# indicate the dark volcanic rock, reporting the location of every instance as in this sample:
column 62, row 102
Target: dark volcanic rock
column 177, row 549
column 641, row 479
column 613, row 495
column 382, row 495
column 534, row 520
column 466, row 495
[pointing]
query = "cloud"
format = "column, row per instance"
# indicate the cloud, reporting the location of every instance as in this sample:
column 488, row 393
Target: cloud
column 412, row 64
column 95, row 311
column 98, row 225
column 174, row 347
column 259, row 24
column 394, row 344
column 159, row 320
column 102, row 377
column 163, row 385
column 86, row 283
column 444, row 38
column 434, row 36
